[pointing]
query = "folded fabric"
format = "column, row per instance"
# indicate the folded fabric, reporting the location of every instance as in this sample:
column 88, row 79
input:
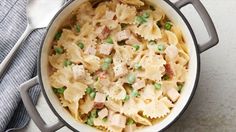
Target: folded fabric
column 12, row 25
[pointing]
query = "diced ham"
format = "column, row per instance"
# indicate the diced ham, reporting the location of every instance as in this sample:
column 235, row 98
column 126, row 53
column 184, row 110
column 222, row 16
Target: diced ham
column 123, row 35
column 103, row 32
column 118, row 120
column 78, row 71
column 91, row 50
column 105, row 49
column 120, row 70
column 103, row 113
column 171, row 51
column 139, row 84
column 99, row 100
column 130, row 128
column 173, row 94
column 169, row 70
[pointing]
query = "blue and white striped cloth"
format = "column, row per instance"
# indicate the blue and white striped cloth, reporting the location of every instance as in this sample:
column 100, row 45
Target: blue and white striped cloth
column 23, row 67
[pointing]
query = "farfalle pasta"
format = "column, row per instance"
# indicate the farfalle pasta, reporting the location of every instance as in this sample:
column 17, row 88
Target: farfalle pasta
column 118, row 65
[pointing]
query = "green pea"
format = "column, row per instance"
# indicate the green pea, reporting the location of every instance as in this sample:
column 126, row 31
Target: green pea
column 81, row 45
column 105, row 66
column 146, row 15
column 92, row 94
column 140, row 20
column 89, row 121
column 108, row 60
column 89, row 90
column 136, row 47
column 135, row 93
column 94, row 113
column 78, row 28
column 58, row 50
column 157, row 86
column 137, row 66
column 160, row 47
column 59, row 90
column 67, row 63
column 126, row 98
column 168, row 26
column 58, row 35
column 109, row 40
column 131, row 78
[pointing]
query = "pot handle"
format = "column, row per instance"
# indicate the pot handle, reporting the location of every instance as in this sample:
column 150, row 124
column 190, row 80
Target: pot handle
column 214, row 39
column 31, row 109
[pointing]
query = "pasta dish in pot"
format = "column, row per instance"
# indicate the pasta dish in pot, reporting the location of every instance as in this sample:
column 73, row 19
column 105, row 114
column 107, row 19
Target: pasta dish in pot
column 118, row 65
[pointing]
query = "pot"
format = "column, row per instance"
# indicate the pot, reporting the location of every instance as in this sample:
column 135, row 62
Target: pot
column 65, row 119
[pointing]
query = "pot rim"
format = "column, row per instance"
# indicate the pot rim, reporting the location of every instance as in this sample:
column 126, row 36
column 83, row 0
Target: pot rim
column 189, row 99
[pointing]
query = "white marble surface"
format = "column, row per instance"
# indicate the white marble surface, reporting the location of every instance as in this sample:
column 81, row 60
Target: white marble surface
column 213, row 107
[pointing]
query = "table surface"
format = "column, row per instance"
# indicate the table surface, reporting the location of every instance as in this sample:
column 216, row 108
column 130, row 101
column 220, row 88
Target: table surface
column 213, row 107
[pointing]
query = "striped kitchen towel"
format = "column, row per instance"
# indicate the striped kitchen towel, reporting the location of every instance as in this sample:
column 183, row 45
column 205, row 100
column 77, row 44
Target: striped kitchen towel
column 12, row 25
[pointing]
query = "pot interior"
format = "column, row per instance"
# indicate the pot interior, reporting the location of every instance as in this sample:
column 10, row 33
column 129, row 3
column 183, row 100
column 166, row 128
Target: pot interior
column 186, row 93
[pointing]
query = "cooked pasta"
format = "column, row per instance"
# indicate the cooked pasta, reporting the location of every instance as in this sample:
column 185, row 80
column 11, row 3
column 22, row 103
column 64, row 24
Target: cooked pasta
column 118, row 65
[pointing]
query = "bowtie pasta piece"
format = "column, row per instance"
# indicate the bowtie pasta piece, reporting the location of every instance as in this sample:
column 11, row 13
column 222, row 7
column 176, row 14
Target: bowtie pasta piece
column 125, row 13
